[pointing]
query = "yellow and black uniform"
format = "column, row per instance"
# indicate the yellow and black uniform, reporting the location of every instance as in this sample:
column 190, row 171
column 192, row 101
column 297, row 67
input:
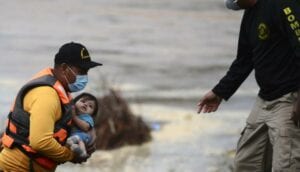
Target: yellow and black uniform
column 45, row 106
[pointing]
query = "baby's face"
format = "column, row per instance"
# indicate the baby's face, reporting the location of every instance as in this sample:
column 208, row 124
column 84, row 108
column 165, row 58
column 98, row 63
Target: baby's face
column 84, row 106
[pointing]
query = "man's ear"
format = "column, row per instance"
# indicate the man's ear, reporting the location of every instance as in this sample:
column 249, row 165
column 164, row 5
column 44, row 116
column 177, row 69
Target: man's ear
column 63, row 67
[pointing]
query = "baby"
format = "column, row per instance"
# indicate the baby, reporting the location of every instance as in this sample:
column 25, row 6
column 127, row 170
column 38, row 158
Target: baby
column 86, row 107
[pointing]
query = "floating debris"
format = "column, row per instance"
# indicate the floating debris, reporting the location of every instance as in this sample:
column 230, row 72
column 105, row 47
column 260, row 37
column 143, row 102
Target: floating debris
column 116, row 125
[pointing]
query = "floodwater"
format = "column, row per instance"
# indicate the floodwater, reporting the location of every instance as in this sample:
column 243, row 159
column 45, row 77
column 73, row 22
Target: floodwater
column 162, row 54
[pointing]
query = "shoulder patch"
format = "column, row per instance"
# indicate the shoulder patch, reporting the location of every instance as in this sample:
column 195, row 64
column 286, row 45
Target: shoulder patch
column 263, row 31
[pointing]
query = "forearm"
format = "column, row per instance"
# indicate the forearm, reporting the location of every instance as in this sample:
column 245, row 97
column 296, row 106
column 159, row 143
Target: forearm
column 240, row 68
column 232, row 81
column 81, row 124
column 46, row 145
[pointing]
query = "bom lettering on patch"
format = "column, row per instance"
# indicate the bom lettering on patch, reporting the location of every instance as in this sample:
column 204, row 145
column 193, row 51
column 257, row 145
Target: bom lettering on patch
column 294, row 23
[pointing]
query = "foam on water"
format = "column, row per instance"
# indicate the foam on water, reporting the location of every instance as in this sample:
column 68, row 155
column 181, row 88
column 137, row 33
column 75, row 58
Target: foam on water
column 199, row 139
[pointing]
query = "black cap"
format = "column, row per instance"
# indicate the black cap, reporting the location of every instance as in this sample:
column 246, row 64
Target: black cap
column 75, row 54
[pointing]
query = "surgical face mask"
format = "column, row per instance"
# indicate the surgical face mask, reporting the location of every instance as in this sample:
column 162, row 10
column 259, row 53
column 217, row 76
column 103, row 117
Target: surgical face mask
column 79, row 84
column 232, row 4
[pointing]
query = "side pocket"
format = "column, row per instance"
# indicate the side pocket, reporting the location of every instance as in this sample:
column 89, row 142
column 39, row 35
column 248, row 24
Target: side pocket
column 282, row 150
column 244, row 137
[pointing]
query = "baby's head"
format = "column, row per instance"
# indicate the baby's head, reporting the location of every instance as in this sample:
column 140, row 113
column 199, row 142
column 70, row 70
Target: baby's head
column 86, row 103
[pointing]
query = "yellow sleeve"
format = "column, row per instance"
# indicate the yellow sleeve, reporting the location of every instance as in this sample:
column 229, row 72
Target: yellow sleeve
column 44, row 107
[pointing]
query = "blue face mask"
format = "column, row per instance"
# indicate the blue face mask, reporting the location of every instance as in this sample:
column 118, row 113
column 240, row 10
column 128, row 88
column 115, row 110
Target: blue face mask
column 79, row 84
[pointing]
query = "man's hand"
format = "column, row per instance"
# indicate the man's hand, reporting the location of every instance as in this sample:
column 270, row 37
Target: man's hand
column 90, row 148
column 209, row 103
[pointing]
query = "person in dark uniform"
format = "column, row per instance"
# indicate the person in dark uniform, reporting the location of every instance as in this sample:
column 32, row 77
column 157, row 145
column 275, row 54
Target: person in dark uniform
column 269, row 44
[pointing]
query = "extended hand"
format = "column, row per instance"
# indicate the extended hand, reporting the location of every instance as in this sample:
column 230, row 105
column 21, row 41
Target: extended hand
column 209, row 103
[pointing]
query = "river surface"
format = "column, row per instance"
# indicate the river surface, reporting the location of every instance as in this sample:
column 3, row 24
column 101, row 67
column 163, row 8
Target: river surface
column 162, row 54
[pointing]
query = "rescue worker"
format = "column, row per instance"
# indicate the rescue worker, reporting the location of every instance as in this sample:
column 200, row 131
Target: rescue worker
column 269, row 44
column 40, row 118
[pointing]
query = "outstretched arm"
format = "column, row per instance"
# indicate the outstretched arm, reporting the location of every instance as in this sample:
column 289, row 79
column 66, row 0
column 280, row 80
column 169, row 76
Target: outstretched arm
column 239, row 70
